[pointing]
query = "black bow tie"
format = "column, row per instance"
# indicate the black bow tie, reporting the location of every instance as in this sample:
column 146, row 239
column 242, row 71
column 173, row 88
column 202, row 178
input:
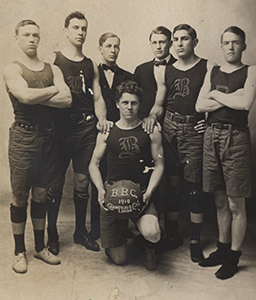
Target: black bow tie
column 112, row 68
column 160, row 63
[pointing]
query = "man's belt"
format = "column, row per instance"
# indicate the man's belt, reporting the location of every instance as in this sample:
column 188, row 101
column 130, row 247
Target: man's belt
column 42, row 127
column 183, row 119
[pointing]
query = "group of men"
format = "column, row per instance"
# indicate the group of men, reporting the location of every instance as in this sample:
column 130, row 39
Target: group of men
column 146, row 124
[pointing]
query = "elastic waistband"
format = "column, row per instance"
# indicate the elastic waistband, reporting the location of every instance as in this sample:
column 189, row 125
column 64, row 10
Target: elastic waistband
column 183, row 119
column 45, row 128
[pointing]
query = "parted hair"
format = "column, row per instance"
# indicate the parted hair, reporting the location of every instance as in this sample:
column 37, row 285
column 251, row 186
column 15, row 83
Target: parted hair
column 73, row 15
column 191, row 31
column 106, row 36
column 24, row 23
column 130, row 87
column 236, row 30
column 161, row 30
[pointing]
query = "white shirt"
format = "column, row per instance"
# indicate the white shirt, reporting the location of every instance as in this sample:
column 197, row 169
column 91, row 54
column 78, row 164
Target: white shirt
column 160, row 70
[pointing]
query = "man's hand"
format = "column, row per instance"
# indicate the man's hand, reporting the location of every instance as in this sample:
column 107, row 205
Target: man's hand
column 104, row 125
column 146, row 199
column 101, row 197
column 200, row 127
column 149, row 123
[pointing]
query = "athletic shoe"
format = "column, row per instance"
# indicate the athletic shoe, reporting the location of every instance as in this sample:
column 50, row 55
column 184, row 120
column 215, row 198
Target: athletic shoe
column 196, row 252
column 150, row 259
column 53, row 242
column 217, row 257
column 82, row 239
column 46, row 256
column 20, row 263
column 229, row 268
column 168, row 244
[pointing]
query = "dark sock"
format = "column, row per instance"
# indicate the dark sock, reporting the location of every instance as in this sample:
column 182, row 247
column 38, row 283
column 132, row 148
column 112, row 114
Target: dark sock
column 19, row 215
column 53, row 205
column 38, row 211
column 195, row 231
column 171, row 228
column 81, row 201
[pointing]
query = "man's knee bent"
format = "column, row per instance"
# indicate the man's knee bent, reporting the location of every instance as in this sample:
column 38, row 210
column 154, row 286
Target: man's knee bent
column 81, row 182
column 149, row 227
column 118, row 255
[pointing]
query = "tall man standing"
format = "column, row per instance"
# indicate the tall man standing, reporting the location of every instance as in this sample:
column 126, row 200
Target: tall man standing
column 227, row 95
column 35, row 89
column 76, row 129
column 182, row 135
column 111, row 76
column 147, row 73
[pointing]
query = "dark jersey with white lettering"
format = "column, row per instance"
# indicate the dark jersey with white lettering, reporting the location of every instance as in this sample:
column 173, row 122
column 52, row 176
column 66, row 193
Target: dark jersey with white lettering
column 128, row 153
column 78, row 75
column 183, row 87
column 228, row 83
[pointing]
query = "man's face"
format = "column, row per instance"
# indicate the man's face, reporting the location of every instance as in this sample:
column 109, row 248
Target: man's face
column 28, row 38
column 183, row 44
column 76, row 31
column 128, row 106
column 232, row 47
column 110, row 50
column 160, row 45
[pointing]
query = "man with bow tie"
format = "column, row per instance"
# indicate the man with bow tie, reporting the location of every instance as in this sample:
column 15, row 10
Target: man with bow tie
column 147, row 73
column 110, row 76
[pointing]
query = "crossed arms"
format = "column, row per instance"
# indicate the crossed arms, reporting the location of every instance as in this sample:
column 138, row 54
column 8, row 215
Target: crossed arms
column 241, row 99
column 57, row 95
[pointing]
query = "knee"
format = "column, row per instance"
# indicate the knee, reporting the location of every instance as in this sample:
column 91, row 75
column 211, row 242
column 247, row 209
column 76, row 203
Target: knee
column 81, row 182
column 39, row 194
column 119, row 258
column 221, row 200
column 237, row 206
column 174, row 183
column 152, row 233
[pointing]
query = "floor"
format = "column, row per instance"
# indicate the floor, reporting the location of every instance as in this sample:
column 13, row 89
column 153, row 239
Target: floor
column 87, row 275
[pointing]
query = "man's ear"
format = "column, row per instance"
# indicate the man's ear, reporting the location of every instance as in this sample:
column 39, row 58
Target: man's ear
column 195, row 42
column 244, row 46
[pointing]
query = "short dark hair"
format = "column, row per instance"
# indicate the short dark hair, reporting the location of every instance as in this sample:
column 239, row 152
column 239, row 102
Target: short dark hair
column 73, row 15
column 106, row 36
column 130, row 87
column 236, row 30
column 191, row 31
column 24, row 23
column 161, row 30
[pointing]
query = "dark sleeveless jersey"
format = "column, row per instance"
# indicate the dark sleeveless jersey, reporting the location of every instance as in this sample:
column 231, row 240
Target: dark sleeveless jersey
column 78, row 75
column 34, row 114
column 128, row 152
column 183, row 88
column 228, row 83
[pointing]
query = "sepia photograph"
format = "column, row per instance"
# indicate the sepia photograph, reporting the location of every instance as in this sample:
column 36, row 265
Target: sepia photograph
column 128, row 150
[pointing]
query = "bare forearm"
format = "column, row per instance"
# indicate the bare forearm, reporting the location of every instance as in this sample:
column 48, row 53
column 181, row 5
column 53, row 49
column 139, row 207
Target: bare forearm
column 155, row 179
column 61, row 100
column 33, row 96
column 207, row 105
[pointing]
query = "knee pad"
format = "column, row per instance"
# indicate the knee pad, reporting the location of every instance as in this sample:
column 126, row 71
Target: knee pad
column 38, row 210
column 18, row 214
column 196, row 198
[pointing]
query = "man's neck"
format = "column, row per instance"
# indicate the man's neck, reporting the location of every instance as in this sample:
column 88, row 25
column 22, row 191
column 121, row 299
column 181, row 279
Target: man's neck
column 186, row 62
column 72, row 52
column 31, row 62
column 128, row 124
column 231, row 67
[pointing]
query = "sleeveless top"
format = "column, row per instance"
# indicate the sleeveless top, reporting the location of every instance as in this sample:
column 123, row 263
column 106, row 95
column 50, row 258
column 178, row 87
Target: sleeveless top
column 78, row 75
column 33, row 114
column 228, row 83
column 183, row 88
column 128, row 152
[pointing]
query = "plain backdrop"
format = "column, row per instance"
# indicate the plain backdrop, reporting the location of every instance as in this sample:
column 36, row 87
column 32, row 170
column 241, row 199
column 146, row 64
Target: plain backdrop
column 132, row 21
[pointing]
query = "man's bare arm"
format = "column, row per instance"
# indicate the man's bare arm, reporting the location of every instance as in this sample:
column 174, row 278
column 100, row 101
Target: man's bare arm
column 63, row 99
column 157, row 109
column 94, row 171
column 157, row 155
column 18, row 86
column 100, row 107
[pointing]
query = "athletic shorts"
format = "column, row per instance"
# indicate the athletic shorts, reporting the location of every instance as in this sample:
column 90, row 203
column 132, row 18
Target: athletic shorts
column 33, row 159
column 227, row 160
column 183, row 147
column 76, row 143
column 113, row 231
